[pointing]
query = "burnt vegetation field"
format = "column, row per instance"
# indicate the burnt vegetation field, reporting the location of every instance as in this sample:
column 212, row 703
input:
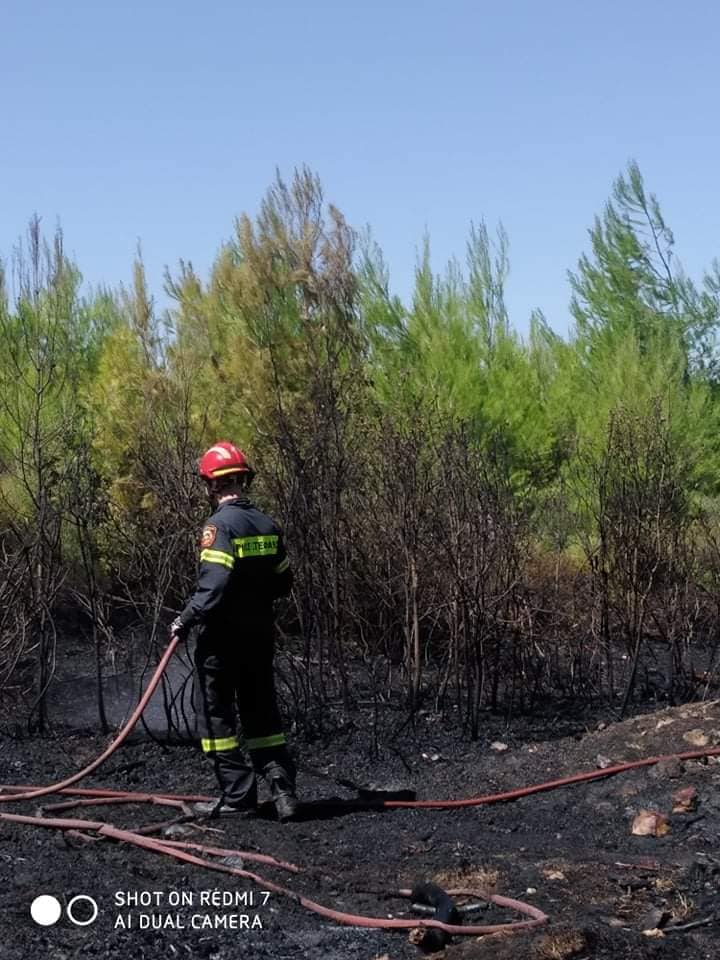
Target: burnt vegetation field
column 623, row 867
column 506, row 553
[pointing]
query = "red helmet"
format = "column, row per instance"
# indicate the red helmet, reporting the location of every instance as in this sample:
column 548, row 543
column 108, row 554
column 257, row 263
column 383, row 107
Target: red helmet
column 223, row 459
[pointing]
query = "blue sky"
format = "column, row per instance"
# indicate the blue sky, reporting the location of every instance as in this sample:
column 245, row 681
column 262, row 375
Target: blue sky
column 161, row 121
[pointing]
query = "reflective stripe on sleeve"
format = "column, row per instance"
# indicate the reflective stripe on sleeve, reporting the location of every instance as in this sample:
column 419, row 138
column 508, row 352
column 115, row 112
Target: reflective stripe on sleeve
column 224, row 743
column 217, row 556
column 282, row 566
column 257, row 743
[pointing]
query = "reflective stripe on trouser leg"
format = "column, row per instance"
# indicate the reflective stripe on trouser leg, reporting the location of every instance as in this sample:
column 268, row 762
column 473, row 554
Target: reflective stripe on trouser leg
column 224, row 743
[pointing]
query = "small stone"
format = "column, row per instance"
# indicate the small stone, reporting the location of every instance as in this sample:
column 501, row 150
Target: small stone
column 498, row 746
column 531, row 890
column 653, row 933
column 177, row 830
column 553, row 874
column 648, row 823
column 603, row 762
column 696, row 738
column 685, row 800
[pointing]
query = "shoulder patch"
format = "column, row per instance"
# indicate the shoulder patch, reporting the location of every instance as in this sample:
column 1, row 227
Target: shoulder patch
column 208, row 536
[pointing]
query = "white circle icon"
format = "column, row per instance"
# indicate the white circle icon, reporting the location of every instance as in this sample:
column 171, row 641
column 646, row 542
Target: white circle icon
column 45, row 910
column 77, row 899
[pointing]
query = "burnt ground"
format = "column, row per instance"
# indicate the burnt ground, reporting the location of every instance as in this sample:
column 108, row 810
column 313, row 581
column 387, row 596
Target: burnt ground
column 569, row 852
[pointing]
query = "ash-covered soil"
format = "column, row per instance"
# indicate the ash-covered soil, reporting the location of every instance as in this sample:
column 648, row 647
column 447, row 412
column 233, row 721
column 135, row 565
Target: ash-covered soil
column 570, row 852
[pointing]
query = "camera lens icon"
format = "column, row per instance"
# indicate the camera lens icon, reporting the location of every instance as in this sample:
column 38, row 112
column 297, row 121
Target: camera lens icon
column 46, row 910
column 84, row 921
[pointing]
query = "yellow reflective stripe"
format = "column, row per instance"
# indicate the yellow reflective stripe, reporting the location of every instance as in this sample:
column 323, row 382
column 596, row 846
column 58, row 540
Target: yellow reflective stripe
column 282, row 566
column 224, row 743
column 226, row 471
column 257, row 743
column 263, row 546
column 217, row 556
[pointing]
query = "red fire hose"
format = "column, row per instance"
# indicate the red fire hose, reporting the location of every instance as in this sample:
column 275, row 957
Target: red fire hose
column 179, row 850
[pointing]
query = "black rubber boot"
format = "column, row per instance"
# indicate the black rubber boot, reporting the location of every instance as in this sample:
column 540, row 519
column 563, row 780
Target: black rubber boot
column 282, row 789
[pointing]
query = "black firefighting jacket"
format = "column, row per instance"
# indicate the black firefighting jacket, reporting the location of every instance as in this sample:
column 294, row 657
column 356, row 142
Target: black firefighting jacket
column 243, row 568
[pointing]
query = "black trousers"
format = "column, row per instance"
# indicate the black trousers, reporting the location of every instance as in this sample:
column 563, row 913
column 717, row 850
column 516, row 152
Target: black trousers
column 234, row 679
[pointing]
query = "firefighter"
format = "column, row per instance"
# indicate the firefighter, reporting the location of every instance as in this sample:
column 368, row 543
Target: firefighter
column 243, row 569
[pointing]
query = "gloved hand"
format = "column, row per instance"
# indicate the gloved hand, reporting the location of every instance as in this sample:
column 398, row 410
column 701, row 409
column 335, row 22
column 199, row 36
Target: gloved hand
column 178, row 629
